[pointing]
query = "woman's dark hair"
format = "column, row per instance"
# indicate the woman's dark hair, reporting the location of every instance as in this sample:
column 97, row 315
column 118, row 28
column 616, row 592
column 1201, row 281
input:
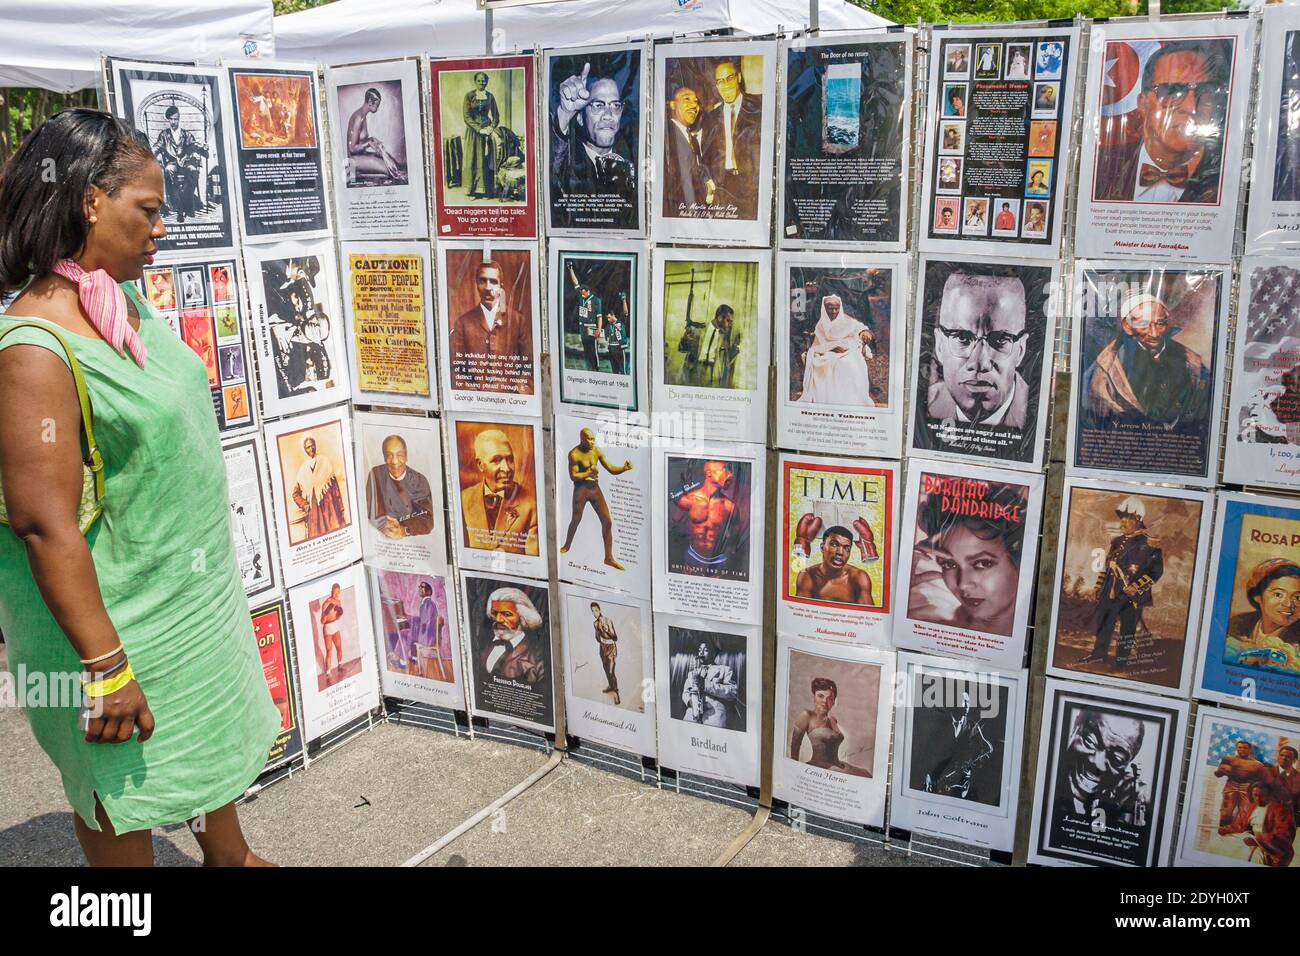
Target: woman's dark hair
column 1279, row 569
column 43, row 188
column 936, row 522
column 824, row 683
column 426, row 587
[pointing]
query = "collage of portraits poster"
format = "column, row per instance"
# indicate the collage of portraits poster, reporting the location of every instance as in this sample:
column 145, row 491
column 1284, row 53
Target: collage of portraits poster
column 831, row 738
column 840, row 346
column 271, row 631
column 250, row 516
column 969, row 556
column 419, row 635
column 1163, row 133
column 846, row 148
column 508, row 630
column 1273, row 218
column 997, row 130
column 595, row 111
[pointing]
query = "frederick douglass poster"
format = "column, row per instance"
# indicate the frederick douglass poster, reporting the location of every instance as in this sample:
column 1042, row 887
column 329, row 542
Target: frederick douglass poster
column 508, row 627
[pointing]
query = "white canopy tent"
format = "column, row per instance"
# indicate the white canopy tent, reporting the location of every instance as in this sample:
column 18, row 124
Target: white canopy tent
column 56, row 44
column 352, row 30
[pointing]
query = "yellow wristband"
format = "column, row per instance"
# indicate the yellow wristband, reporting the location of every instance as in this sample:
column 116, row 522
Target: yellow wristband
column 102, row 688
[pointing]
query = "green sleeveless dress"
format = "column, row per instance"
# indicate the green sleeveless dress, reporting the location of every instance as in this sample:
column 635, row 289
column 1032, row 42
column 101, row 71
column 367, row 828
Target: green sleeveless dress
column 164, row 554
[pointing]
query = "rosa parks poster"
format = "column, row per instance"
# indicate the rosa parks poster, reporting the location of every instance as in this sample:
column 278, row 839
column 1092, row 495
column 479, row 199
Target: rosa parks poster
column 848, row 102
column 982, row 360
column 419, row 636
column 1250, row 635
column 594, row 141
column 1273, row 219
column 400, row 474
column 271, row 630
column 970, row 540
column 508, row 624
column 250, row 515
column 1128, row 584
column 1148, row 354
column 1241, row 798
column 835, row 548
column 840, row 343
column 1109, row 765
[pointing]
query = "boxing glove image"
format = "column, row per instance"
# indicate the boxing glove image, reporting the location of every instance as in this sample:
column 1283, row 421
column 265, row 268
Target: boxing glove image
column 809, row 527
column 866, row 540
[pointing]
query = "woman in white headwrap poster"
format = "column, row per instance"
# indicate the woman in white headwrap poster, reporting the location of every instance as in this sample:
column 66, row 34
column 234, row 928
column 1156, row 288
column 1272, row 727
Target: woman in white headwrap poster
column 835, row 365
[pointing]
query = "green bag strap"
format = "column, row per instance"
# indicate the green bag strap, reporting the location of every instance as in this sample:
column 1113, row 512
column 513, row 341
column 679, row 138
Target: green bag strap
column 93, row 461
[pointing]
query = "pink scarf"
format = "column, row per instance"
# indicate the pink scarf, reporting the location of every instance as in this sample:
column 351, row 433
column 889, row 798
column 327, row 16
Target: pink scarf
column 104, row 303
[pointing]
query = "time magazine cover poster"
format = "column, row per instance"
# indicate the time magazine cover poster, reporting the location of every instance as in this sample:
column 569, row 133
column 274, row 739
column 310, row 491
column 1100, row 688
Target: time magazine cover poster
column 415, row 619
column 1273, row 217
column 512, row 670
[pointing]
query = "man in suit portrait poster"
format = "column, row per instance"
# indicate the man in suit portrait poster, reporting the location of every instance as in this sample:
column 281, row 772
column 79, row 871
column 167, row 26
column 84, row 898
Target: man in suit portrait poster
column 498, row 512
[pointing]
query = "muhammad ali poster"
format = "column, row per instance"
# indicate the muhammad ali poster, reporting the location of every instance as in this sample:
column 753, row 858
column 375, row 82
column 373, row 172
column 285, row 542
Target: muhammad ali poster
column 835, row 557
column 1109, row 767
column 595, row 144
column 1129, row 576
column 982, row 360
column 834, row 705
column 1148, row 355
column 957, row 746
column 1163, row 134
column 970, row 547
column 508, row 627
column 1273, row 218
column 845, row 153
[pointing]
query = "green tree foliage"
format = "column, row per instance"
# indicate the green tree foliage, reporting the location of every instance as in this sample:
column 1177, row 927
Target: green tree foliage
column 281, row 7
column 997, row 11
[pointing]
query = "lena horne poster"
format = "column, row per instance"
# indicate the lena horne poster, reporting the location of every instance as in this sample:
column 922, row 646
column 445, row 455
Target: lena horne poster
column 508, row 626
column 1273, row 223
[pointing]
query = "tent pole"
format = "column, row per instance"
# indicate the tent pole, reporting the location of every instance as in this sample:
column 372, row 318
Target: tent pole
column 487, row 31
column 813, row 18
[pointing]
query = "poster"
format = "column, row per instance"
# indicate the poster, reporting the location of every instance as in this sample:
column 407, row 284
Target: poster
column 483, row 140
column 336, row 650
column 712, row 312
column 490, row 329
column 603, row 504
column 294, row 290
column 1129, row 577
column 1242, row 796
column 840, row 345
column 1250, row 633
column 202, row 300
column 180, row 111
column 709, row 697
column 1163, row 131
column 250, row 516
column 1149, row 348
column 970, row 547
column 378, row 150
column 1109, row 767
column 834, row 706
column 835, row 548
column 280, row 177
column 845, row 153
column 957, row 750
column 609, row 669
column 599, row 316
column 271, row 629
column 595, row 109
column 399, row 461
column 508, row 625
column 982, row 360
column 388, row 300
column 315, row 500
column 715, row 104
column 415, row 618
column 1273, row 217
column 997, row 140
column 1263, row 433
column 498, row 500
column 707, row 531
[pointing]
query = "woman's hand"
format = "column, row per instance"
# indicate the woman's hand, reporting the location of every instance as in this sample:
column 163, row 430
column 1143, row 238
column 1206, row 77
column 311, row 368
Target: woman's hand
column 114, row 717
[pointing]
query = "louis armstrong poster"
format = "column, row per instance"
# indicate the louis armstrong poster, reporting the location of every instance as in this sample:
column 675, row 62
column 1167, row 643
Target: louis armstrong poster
column 508, row 629
column 1273, row 219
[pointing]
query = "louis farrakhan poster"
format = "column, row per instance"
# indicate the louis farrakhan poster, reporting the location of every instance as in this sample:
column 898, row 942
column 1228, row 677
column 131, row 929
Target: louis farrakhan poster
column 250, row 515
column 378, row 150
column 835, row 548
column 997, row 150
column 271, row 630
column 281, row 175
column 957, row 741
column 982, row 360
column 1250, row 633
column 1129, row 576
column 847, row 109
column 1149, row 345
column 1273, row 220
column 609, row 661
column 179, row 110
column 1162, row 140
column 508, row 626
column 709, row 697
column 1242, row 795
column 594, row 156
column 484, row 141
column 970, row 547
column 833, row 711
column 415, row 617
column 1109, row 766
column 716, row 104
column 1264, row 409
column 840, row 343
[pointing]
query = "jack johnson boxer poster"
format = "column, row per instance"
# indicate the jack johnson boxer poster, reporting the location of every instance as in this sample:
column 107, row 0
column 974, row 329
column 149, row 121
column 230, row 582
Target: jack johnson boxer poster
column 1273, row 219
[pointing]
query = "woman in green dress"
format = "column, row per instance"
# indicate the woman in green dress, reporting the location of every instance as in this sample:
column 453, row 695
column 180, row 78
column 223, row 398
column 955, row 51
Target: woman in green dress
column 147, row 604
